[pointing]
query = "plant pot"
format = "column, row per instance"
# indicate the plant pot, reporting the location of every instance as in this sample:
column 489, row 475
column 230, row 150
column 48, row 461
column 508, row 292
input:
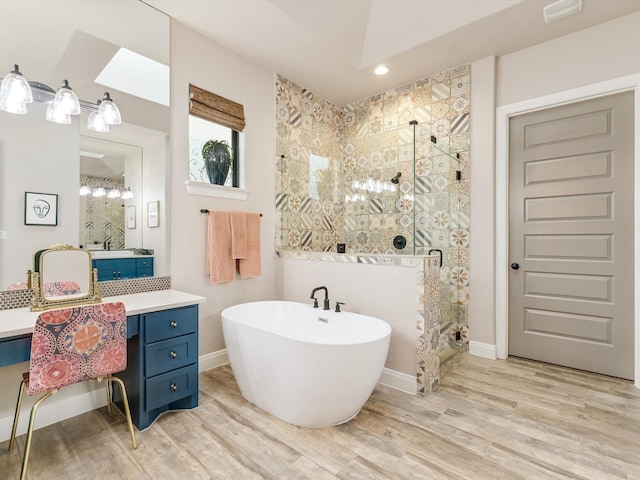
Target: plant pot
column 217, row 155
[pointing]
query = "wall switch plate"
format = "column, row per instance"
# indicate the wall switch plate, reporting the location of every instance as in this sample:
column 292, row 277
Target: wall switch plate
column 3, row 234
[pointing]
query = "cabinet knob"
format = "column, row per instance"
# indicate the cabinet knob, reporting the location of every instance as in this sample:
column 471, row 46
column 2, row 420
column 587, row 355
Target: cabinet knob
column 173, row 354
column 173, row 324
column 173, row 387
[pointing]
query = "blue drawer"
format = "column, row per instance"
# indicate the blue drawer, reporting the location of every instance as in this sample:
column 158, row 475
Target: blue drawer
column 170, row 354
column 144, row 263
column 15, row 350
column 171, row 386
column 144, row 272
column 170, row 323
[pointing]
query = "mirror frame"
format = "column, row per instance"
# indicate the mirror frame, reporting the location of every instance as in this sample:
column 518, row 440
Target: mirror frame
column 39, row 302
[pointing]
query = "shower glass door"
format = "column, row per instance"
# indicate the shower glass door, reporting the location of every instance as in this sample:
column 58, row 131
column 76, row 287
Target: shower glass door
column 441, row 224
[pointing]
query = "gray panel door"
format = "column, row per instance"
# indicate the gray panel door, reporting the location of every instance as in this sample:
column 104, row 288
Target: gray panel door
column 571, row 235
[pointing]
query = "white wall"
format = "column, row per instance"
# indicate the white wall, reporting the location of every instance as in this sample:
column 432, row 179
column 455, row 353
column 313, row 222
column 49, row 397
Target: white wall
column 382, row 291
column 207, row 65
column 49, row 165
column 593, row 55
column 155, row 186
column 482, row 202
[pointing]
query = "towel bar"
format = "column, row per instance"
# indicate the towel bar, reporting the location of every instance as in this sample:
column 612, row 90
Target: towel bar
column 204, row 210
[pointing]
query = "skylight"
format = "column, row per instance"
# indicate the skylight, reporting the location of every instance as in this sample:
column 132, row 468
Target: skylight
column 137, row 75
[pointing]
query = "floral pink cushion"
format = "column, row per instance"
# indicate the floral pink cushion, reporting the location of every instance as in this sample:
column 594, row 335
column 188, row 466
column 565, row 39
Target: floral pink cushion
column 60, row 288
column 70, row 345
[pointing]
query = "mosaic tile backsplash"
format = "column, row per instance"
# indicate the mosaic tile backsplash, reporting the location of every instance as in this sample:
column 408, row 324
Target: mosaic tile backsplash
column 22, row 298
column 335, row 166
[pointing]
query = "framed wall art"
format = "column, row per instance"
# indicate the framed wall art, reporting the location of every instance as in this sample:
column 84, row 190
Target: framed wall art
column 40, row 208
column 153, row 217
column 131, row 216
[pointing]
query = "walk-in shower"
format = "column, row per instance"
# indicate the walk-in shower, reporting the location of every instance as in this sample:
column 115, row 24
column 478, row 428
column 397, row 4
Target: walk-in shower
column 394, row 180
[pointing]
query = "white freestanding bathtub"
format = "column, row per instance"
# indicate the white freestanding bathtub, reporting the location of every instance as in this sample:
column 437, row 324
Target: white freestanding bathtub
column 307, row 366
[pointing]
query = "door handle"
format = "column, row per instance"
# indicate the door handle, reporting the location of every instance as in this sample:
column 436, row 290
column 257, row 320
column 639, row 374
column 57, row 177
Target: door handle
column 515, row 266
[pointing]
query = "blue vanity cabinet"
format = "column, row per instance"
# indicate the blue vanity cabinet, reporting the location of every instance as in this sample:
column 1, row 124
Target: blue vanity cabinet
column 162, row 370
column 123, row 268
column 144, row 267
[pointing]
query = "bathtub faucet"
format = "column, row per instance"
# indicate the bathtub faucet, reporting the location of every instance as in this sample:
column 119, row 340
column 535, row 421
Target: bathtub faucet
column 326, row 297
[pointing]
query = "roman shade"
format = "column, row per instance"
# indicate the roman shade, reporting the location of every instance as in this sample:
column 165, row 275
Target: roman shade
column 212, row 107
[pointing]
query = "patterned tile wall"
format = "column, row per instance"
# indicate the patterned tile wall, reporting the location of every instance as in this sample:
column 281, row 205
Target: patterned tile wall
column 367, row 143
column 104, row 217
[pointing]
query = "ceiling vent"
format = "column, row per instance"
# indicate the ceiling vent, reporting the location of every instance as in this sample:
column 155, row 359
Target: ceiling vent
column 561, row 9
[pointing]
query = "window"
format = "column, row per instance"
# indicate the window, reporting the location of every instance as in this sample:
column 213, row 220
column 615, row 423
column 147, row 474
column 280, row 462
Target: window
column 216, row 125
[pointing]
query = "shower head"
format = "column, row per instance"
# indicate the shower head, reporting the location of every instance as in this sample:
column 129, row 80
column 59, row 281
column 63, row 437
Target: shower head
column 396, row 179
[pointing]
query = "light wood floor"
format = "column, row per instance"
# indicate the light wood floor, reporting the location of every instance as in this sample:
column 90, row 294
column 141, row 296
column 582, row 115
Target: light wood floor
column 488, row 420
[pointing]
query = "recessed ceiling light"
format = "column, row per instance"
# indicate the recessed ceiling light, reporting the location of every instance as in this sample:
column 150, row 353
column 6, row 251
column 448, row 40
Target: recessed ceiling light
column 381, row 70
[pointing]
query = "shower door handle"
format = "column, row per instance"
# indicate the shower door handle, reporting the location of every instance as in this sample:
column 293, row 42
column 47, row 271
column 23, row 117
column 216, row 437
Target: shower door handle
column 439, row 253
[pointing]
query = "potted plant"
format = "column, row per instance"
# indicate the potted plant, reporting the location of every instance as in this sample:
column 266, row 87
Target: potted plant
column 218, row 156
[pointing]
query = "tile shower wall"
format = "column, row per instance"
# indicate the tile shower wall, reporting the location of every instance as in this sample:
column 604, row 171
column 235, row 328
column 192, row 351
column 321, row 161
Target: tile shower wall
column 366, row 143
column 103, row 217
column 307, row 219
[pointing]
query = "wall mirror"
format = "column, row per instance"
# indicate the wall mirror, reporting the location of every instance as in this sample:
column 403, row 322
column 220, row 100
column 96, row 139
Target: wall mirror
column 62, row 276
column 74, row 41
column 116, row 167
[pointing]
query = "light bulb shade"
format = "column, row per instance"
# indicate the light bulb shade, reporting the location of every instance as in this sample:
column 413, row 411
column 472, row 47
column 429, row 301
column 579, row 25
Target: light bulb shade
column 12, row 106
column 85, row 189
column 96, row 123
column 113, row 193
column 109, row 111
column 99, row 191
column 127, row 194
column 66, row 100
column 15, row 88
column 57, row 116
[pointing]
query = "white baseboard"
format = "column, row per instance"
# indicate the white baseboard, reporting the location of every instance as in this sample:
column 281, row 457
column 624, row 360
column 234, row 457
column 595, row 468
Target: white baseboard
column 53, row 410
column 66, row 404
column 398, row 380
column 212, row 360
column 484, row 350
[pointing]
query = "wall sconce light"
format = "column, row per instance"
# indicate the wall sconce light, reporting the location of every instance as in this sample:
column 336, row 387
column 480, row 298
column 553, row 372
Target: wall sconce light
column 96, row 121
column 16, row 92
column 85, row 189
column 99, row 191
column 109, row 111
column 127, row 194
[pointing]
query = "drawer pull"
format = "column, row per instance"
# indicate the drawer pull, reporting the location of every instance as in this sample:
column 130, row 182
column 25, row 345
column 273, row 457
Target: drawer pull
column 173, row 324
column 173, row 387
column 173, row 354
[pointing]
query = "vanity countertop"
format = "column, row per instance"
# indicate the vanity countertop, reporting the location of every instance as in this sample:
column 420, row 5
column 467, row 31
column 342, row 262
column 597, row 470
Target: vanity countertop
column 107, row 254
column 20, row 321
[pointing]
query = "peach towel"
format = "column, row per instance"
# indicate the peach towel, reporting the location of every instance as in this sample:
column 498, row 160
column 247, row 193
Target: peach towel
column 250, row 267
column 238, row 234
column 220, row 265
